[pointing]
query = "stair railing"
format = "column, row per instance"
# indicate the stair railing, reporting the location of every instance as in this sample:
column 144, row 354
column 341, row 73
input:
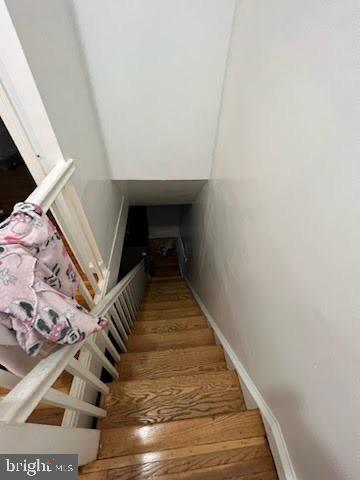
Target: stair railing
column 120, row 306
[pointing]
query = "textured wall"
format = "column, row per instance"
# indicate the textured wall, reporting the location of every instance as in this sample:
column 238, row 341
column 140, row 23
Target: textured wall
column 274, row 238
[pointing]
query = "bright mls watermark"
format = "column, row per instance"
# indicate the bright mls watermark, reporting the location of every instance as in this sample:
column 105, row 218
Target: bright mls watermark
column 39, row 467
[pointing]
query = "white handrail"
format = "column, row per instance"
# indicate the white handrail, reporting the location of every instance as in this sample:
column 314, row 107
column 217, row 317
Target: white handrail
column 102, row 307
column 46, row 193
column 20, row 402
column 50, row 193
column 56, row 398
column 120, row 306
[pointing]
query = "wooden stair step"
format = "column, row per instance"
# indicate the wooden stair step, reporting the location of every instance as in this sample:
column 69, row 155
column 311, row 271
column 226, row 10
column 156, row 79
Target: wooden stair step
column 169, row 305
column 168, row 267
column 164, row 283
column 213, row 461
column 167, row 290
column 165, row 314
column 167, row 296
column 176, row 412
column 165, row 341
column 172, row 279
column 47, row 415
column 169, row 261
column 105, row 475
column 170, row 363
column 138, row 439
column 170, row 325
column 113, row 462
column 167, row 274
column 174, row 398
column 165, row 270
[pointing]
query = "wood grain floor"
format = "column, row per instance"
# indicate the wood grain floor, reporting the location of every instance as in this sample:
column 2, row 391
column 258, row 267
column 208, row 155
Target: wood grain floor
column 176, row 412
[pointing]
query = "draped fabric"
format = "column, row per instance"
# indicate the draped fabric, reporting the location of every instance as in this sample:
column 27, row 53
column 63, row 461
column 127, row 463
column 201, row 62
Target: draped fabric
column 38, row 283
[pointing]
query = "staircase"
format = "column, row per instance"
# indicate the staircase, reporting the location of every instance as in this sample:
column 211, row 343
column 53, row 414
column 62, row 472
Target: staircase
column 176, row 411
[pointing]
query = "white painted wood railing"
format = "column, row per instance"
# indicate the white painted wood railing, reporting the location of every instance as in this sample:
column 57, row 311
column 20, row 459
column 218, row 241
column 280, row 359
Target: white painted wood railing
column 120, row 306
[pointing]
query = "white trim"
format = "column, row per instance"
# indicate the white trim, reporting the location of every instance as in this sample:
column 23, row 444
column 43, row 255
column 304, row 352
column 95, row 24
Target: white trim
column 33, row 438
column 50, row 188
column 275, row 436
column 117, row 226
column 94, row 252
column 75, row 368
column 117, row 232
column 56, row 398
column 26, row 119
column 24, row 115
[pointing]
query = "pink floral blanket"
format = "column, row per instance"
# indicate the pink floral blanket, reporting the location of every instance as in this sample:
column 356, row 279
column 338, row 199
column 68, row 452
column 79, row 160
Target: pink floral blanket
column 38, row 283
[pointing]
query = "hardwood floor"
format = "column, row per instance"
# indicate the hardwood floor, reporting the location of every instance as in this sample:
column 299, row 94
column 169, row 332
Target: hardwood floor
column 176, row 412
column 163, row 341
column 166, row 399
column 171, row 363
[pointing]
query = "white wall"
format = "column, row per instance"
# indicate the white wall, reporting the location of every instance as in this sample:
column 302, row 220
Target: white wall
column 48, row 36
column 274, row 238
column 163, row 221
column 157, row 69
column 161, row 192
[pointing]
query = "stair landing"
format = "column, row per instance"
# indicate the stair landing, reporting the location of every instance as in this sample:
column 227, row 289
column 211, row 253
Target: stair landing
column 176, row 412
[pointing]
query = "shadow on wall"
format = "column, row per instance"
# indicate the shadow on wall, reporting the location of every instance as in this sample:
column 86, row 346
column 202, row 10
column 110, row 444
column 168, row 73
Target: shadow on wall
column 163, row 221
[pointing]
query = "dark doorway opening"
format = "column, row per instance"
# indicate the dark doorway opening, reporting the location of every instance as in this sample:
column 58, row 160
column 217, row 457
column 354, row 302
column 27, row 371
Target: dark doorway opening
column 135, row 241
column 16, row 182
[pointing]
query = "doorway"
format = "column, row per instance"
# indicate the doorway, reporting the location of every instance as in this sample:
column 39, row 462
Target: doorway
column 16, row 181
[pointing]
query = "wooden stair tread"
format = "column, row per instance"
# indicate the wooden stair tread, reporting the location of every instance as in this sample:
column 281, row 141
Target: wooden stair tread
column 165, row 341
column 170, row 325
column 179, row 279
column 158, row 284
column 172, row 313
column 166, row 290
column 220, row 466
column 174, row 398
column 172, row 453
column 168, row 363
column 107, row 475
column 167, row 287
column 93, row 475
column 176, row 412
column 173, row 282
column 47, row 415
column 241, row 456
column 168, row 305
column 154, row 298
column 173, row 279
column 165, row 263
column 165, row 271
column 135, row 439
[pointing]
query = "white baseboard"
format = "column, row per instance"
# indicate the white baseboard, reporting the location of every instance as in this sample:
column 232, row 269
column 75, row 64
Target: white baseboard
column 275, row 436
